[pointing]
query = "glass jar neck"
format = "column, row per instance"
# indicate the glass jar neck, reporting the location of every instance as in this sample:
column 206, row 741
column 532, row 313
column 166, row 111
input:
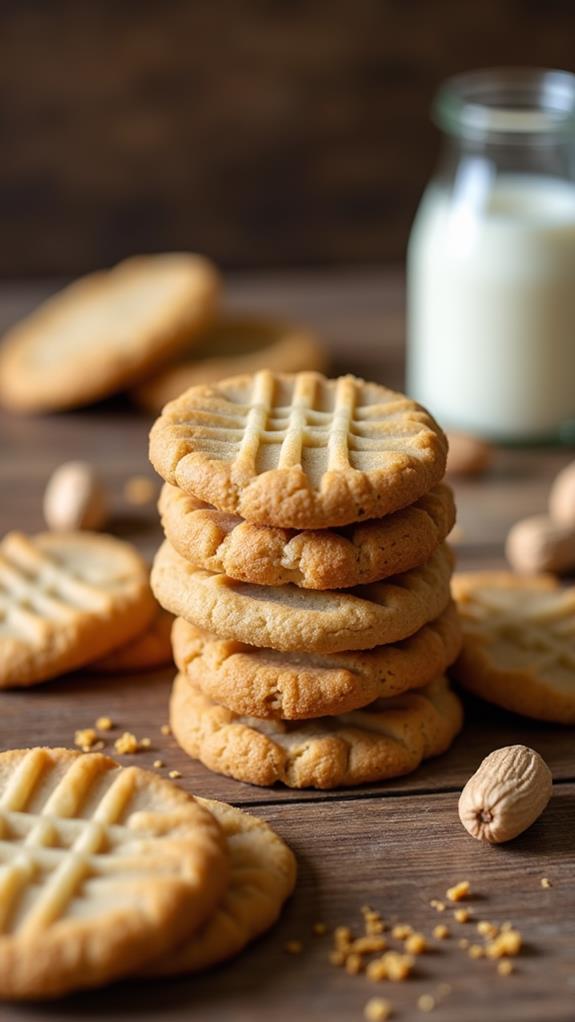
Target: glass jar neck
column 511, row 120
column 514, row 106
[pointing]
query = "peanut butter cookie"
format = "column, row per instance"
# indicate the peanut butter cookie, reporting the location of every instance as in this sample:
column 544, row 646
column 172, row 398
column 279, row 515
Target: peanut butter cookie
column 320, row 559
column 299, row 451
column 106, row 331
column 519, row 642
column 288, row 618
column 294, row 686
column 386, row 739
column 103, row 869
column 67, row 598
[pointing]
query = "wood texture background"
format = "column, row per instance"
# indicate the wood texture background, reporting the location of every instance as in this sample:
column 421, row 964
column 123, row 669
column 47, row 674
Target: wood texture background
column 263, row 132
column 395, row 845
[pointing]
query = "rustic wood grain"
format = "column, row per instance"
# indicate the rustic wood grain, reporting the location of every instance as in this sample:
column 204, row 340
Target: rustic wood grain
column 264, row 133
column 395, row 845
column 394, row 854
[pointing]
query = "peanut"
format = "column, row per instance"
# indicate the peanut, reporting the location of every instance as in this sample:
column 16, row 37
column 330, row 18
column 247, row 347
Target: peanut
column 538, row 544
column 467, row 455
column 506, row 794
column 74, row 498
column 562, row 496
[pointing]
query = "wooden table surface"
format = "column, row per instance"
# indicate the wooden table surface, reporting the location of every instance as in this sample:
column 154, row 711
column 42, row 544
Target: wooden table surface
column 394, row 846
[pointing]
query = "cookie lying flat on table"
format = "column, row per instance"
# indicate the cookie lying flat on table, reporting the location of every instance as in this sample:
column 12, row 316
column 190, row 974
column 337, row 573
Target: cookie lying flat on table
column 299, row 451
column 102, row 869
column 320, row 559
column 295, row 686
column 262, row 876
column 151, row 649
column 65, row 600
column 106, row 331
column 519, row 643
column 388, row 738
column 229, row 346
column 288, row 618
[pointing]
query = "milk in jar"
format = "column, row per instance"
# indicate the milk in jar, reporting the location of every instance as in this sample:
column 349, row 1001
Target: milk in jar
column 491, row 273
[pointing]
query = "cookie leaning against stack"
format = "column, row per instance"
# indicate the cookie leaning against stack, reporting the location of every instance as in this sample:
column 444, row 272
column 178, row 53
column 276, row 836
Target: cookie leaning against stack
column 305, row 560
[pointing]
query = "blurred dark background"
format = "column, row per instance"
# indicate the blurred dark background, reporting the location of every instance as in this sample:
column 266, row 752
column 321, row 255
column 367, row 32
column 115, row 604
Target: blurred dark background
column 265, row 133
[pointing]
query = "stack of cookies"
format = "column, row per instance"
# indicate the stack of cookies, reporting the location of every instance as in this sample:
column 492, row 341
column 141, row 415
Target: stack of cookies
column 305, row 561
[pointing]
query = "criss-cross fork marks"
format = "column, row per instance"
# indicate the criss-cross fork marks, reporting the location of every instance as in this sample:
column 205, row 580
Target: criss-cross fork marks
column 52, row 848
column 241, row 430
column 36, row 593
column 292, row 428
column 545, row 628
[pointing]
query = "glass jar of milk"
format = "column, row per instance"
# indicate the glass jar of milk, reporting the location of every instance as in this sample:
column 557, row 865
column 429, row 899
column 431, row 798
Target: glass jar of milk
column 491, row 260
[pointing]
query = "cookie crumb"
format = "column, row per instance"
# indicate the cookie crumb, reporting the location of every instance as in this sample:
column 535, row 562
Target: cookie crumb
column 369, row 945
column 354, row 964
column 374, row 924
column 463, row 943
column 401, row 931
column 319, row 929
column 545, row 882
column 416, row 944
column 476, row 951
column 459, row 891
column 506, row 945
column 139, row 490
column 126, row 744
column 166, row 729
column 440, row 932
column 439, row 906
column 174, row 774
column 104, row 724
column 85, row 738
column 426, row 1003
column 159, row 763
column 145, row 743
column 292, row 947
column 487, row 929
column 342, row 937
column 337, row 957
column 377, row 1010
column 462, row 915
column 393, row 966
column 505, row 967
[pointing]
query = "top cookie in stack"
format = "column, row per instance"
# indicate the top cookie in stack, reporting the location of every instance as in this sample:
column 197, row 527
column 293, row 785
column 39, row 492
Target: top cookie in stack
column 299, row 451
column 281, row 483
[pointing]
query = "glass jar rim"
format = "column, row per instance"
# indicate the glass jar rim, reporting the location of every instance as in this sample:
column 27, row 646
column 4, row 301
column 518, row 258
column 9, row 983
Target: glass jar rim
column 507, row 104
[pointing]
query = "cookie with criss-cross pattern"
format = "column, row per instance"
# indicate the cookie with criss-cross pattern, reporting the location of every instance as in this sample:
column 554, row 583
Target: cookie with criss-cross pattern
column 66, row 599
column 288, row 618
column 519, row 642
column 104, row 868
column 312, row 559
column 386, row 739
column 296, row 686
column 299, row 451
